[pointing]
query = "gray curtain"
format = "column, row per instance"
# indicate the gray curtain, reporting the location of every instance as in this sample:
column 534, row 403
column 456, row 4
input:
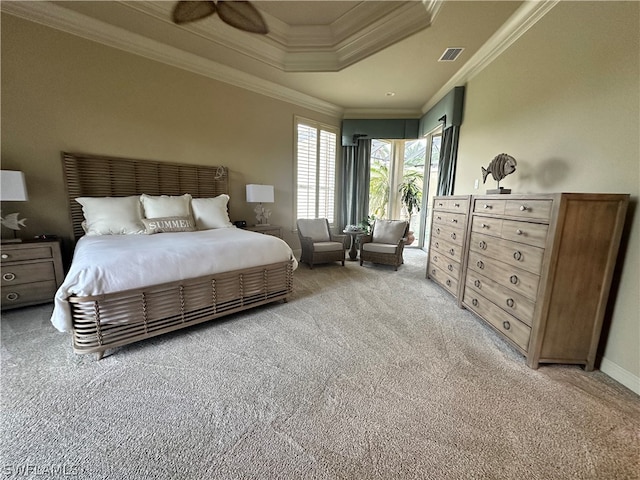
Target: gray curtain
column 448, row 160
column 354, row 205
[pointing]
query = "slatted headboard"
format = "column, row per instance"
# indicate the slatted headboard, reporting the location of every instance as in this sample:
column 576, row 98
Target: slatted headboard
column 99, row 176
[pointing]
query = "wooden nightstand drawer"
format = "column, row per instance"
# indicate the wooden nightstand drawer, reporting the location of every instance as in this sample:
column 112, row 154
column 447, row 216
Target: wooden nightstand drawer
column 272, row 230
column 27, row 273
column 28, row 294
column 13, row 254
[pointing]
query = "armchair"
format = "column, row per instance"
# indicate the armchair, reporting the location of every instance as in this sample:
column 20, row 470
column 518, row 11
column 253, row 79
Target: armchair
column 318, row 244
column 385, row 244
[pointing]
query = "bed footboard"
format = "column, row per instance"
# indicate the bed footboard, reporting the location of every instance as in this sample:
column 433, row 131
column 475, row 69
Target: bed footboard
column 107, row 321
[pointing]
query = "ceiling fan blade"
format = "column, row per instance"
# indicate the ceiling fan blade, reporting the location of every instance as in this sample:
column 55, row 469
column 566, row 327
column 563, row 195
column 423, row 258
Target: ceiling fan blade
column 190, row 11
column 242, row 15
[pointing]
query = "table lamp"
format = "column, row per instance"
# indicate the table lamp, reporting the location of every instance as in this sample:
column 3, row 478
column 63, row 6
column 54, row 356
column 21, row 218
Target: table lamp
column 13, row 188
column 260, row 194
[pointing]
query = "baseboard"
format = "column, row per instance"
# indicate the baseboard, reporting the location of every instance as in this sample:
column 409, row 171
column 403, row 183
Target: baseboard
column 626, row 378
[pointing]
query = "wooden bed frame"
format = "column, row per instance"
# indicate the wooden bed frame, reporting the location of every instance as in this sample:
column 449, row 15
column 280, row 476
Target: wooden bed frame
column 111, row 320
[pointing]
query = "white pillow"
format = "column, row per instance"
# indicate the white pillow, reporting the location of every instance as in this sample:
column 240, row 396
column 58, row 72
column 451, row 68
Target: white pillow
column 166, row 205
column 112, row 215
column 211, row 212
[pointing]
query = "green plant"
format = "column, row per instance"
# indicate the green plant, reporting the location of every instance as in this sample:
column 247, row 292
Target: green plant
column 411, row 191
column 367, row 223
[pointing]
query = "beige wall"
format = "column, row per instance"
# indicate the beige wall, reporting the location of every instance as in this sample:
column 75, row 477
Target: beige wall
column 564, row 100
column 64, row 93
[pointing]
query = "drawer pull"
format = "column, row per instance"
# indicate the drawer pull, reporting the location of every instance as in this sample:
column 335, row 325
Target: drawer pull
column 506, row 325
column 487, row 206
column 517, row 255
column 513, row 279
column 5, row 256
column 454, row 220
column 456, row 205
column 448, row 282
column 450, row 267
column 482, row 244
column 480, row 264
column 452, row 251
column 510, row 302
column 438, row 231
column 437, row 245
column 440, row 204
column 478, row 283
column 13, row 296
column 474, row 302
column 453, row 235
column 9, row 277
column 484, row 225
column 439, row 217
column 519, row 232
column 435, row 258
column 433, row 272
column 523, row 208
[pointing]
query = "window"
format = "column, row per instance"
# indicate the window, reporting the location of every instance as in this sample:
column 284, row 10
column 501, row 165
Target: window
column 315, row 170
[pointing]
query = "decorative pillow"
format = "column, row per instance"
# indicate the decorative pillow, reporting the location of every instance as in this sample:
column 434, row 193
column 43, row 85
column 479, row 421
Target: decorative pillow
column 166, row 205
column 388, row 231
column 168, row 224
column 211, row 212
column 112, row 215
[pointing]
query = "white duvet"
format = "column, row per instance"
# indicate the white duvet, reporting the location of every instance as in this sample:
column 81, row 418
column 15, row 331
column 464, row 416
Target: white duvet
column 112, row 263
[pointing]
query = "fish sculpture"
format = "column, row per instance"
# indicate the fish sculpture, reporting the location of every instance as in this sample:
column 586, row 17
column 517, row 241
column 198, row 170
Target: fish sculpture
column 11, row 221
column 501, row 166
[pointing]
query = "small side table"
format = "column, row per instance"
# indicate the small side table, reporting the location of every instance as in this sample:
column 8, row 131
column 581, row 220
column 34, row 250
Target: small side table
column 353, row 234
column 273, row 230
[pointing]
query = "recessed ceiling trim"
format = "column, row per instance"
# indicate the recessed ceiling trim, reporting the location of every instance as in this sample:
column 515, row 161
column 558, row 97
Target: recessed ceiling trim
column 53, row 16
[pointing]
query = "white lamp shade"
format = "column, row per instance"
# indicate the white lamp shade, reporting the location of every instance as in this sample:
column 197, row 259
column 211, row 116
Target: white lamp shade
column 13, row 188
column 260, row 193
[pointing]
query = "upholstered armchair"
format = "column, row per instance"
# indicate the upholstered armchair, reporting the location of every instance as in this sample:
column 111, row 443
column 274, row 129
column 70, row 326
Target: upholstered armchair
column 318, row 244
column 385, row 243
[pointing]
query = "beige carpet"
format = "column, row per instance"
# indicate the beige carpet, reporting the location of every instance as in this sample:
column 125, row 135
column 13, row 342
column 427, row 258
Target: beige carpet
column 366, row 373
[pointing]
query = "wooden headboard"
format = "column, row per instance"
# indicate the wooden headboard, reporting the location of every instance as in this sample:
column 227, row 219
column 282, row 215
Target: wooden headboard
column 98, row 176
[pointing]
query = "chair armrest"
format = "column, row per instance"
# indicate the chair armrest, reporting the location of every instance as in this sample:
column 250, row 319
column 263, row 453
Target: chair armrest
column 365, row 239
column 306, row 242
column 339, row 238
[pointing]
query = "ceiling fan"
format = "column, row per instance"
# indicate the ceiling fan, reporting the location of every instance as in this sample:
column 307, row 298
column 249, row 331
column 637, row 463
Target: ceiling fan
column 239, row 14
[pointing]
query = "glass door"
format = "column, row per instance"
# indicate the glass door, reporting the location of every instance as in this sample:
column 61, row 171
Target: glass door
column 431, row 172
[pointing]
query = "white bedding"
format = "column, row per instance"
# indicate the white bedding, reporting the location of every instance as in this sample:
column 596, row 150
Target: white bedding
column 112, row 263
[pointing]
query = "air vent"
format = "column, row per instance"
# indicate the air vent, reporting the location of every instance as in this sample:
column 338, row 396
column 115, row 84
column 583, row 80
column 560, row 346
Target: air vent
column 450, row 54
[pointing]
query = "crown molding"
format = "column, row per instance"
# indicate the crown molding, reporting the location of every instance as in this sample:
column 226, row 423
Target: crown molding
column 378, row 113
column 522, row 20
column 53, row 16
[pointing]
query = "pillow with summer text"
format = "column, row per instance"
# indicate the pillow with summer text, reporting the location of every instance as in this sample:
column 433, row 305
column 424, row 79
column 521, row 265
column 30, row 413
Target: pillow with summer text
column 168, row 224
column 211, row 212
column 112, row 215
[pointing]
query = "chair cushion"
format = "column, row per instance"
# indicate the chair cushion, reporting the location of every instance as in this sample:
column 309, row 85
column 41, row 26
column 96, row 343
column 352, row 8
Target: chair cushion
column 315, row 228
column 389, row 231
column 327, row 246
column 379, row 248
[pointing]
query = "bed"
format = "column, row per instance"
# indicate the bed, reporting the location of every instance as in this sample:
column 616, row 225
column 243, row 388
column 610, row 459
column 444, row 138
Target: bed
column 119, row 291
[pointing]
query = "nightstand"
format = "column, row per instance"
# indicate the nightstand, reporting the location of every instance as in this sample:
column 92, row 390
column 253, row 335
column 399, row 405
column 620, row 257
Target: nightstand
column 274, row 230
column 31, row 272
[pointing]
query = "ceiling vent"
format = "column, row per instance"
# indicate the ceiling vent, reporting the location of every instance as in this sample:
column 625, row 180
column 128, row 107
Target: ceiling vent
column 450, row 54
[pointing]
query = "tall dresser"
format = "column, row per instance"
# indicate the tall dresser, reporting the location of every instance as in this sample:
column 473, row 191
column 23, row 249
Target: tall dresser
column 448, row 241
column 536, row 268
column 539, row 269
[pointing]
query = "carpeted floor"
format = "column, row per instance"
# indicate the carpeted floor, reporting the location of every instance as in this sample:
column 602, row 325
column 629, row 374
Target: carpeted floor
column 366, row 373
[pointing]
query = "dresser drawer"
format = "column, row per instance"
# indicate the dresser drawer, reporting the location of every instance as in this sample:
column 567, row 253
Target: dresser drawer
column 27, row 272
column 448, row 234
column 454, row 220
column 38, row 252
column 444, row 279
column 27, row 294
column 451, row 204
column 511, row 302
column 510, row 327
column 444, row 263
column 513, row 278
column 489, row 206
column 448, row 249
column 487, row 225
column 519, row 255
column 530, row 233
column 533, row 209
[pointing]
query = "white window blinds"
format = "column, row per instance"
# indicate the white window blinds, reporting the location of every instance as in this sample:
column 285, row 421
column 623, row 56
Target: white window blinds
column 315, row 170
